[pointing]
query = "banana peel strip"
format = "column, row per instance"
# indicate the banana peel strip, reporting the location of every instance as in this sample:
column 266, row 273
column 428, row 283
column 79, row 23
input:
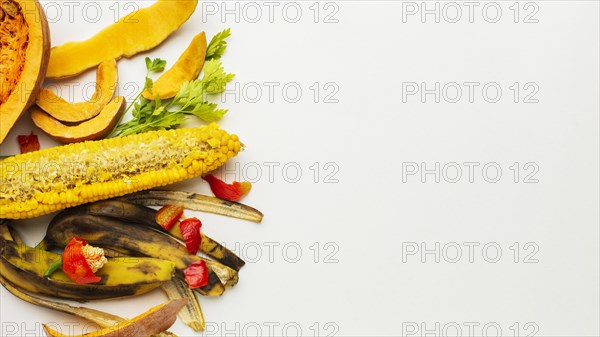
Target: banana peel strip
column 228, row 276
column 151, row 322
column 196, row 202
column 191, row 314
column 15, row 235
column 100, row 318
column 122, row 212
column 4, row 231
column 213, row 249
column 140, row 214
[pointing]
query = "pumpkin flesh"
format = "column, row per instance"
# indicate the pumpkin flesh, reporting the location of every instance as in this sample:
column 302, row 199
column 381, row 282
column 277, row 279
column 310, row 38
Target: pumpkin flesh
column 24, row 53
column 14, row 35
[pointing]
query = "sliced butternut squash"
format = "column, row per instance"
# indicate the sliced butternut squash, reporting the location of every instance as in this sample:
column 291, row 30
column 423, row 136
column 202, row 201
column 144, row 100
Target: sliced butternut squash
column 153, row 321
column 92, row 129
column 187, row 68
column 106, row 84
column 139, row 31
column 24, row 52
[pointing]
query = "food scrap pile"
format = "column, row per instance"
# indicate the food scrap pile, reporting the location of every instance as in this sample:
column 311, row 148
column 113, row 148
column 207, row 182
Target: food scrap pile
column 104, row 215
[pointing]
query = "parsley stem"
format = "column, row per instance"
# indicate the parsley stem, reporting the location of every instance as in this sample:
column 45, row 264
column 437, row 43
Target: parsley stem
column 115, row 132
column 134, row 129
column 190, row 99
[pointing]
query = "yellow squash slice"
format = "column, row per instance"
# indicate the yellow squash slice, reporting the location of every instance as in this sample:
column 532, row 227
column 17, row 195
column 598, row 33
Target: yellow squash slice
column 92, row 129
column 106, row 84
column 139, row 31
column 187, row 68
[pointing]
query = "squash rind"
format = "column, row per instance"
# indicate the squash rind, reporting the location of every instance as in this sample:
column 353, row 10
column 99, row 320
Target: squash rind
column 92, row 129
column 139, row 31
column 106, row 84
column 32, row 75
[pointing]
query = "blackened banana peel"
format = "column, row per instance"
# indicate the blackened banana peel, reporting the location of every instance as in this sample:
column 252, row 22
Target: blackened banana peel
column 129, row 212
column 135, row 240
column 120, row 277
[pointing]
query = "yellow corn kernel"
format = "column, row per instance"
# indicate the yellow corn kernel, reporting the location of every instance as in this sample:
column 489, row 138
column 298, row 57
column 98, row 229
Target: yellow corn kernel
column 111, row 168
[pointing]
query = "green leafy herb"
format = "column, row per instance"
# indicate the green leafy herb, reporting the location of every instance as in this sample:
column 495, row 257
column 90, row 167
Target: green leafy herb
column 218, row 45
column 208, row 112
column 152, row 66
column 215, row 78
column 156, row 65
column 190, row 100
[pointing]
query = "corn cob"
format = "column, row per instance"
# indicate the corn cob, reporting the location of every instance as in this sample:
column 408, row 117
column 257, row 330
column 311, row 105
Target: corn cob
column 49, row 180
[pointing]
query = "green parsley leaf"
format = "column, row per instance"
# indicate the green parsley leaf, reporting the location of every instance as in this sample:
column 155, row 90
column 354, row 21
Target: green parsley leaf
column 215, row 78
column 218, row 45
column 190, row 100
column 213, row 82
column 149, row 83
column 208, row 112
column 155, row 66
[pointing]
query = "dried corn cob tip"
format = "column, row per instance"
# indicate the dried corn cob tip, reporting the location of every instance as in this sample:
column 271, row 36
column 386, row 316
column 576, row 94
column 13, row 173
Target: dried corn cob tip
column 45, row 181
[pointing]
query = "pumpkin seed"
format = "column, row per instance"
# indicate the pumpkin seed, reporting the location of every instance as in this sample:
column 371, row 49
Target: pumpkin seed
column 11, row 8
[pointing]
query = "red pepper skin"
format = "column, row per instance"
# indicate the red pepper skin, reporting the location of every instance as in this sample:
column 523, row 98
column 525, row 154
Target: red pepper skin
column 168, row 215
column 196, row 274
column 231, row 192
column 190, row 229
column 75, row 265
column 28, row 143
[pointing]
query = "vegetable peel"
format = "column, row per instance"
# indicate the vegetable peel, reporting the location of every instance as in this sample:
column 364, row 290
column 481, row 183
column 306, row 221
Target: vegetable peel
column 28, row 143
column 191, row 314
column 139, row 31
column 60, row 109
column 231, row 192
column 155, row 320
column 196, row 202
column 190, row 230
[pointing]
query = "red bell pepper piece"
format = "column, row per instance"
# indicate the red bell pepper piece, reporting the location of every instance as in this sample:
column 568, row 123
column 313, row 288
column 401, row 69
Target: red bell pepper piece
column 231, row 192
column 196, row 274
column 75, row 265
column 28, row 143
column 168, row 215
column 190, row 229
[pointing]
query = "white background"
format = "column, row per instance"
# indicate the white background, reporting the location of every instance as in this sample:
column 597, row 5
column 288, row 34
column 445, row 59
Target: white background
column 363, row 211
